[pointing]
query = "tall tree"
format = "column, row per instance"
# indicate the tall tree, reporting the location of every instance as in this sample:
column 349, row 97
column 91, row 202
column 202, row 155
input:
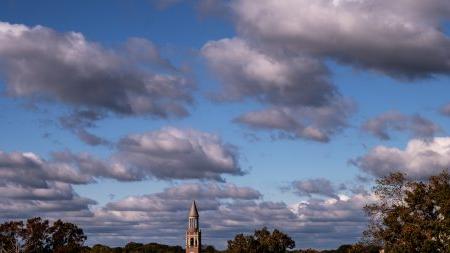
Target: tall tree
column 243, row 244
column 66, row 237
column 410, row 215
column 36, row 236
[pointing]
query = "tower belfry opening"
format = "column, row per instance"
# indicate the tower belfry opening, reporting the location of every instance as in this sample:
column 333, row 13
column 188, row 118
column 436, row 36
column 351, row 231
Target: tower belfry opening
column 193, row 233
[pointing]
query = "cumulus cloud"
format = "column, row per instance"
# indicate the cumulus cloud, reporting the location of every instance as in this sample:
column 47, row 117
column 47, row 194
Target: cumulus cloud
column 28, row 169
column 419, row 160
column 168, row 153
column 172, row 153
column 250, row 72
column 97, row 168
column 226, row 209
column 381, row 125
column 302, row 102
column 30, row 185
column 40, row 64
column 312, row 223
column 279, row 55
column 402, row 39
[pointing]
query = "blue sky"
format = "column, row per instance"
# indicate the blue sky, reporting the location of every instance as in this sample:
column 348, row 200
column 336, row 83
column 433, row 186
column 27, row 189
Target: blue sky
column 400, row 88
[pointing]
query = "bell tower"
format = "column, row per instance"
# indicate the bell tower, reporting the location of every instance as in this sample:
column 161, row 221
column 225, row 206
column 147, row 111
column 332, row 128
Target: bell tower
column 193, row 233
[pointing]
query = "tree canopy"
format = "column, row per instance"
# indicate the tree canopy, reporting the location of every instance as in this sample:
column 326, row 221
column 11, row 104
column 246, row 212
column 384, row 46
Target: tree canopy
column 262, row 241
column 410, row 215
column 37, row 236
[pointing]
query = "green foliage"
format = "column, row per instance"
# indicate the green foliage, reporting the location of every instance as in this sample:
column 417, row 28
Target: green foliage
column 411, row 216
column 261, row 242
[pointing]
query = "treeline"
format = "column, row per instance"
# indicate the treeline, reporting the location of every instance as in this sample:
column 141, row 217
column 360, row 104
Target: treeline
column 264, row 241
column 133, row 247
column 356, row 248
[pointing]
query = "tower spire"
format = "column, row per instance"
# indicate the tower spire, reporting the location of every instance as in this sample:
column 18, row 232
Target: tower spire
column 193, row 212
column 193, row 233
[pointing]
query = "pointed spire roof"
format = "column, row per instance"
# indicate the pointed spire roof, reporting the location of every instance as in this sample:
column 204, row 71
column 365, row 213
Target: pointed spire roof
column 193, row 212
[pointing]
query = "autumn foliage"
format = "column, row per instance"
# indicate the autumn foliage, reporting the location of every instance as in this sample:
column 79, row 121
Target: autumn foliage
column 411, row 215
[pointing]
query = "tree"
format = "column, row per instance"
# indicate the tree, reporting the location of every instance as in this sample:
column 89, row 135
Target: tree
column 243, row 244
column 262, row 242
column 210, row 249
column 279, row 242
column 411, row 215
column 10, row 235
column 66, row 237
column 36, row 236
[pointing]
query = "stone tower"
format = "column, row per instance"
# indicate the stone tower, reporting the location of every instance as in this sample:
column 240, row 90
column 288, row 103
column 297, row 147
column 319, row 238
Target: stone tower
column 193, row 233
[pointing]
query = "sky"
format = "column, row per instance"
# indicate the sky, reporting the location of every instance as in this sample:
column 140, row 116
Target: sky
column 117, row 114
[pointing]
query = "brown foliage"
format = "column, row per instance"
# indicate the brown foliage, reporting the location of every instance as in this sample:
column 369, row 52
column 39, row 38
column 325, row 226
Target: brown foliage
column 411, row 216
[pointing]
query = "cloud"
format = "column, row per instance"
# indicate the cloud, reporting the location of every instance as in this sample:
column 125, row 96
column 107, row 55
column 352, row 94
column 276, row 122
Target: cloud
column 279, row 55
column 28, row 169
column 312, row 123
column 419, row 160
column 67, row 68
column 179, row 197
column 248, row 72
column 225, row 210
column 301, row 100
column 402, row 39
column 445, row 110
column 318, row 186
column 163, row 216
column 79, row 120
column 416, row 124
column 167, row 154
column 172, row 153
column 97, row 168
column 30, row 185
column 217, row 8
column 40, row 65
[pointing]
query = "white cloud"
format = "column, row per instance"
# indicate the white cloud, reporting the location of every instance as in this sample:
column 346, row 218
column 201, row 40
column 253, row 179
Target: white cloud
column 172, row 153
column 420, row 159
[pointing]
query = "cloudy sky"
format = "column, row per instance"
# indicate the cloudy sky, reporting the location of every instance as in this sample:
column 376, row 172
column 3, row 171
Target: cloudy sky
column 117, row 114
